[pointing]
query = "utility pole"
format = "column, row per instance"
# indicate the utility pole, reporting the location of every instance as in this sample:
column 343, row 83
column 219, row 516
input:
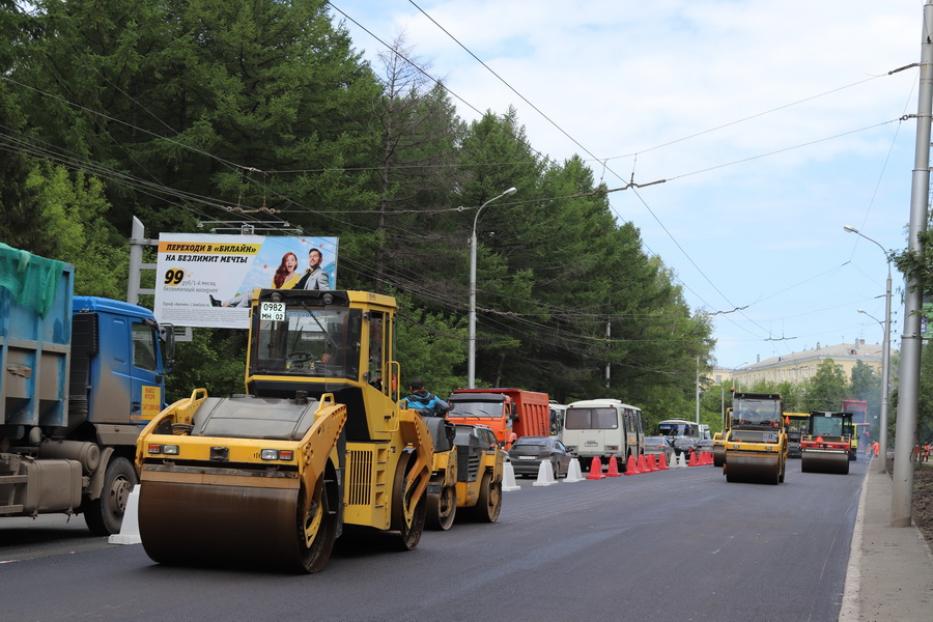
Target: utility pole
column 698, row 390
column 908, row 391
column 137, row 235
column 608, row 335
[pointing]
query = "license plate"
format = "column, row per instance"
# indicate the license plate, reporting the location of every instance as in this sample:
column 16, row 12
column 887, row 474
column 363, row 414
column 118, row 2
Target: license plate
column 526, row 457
column 591, row 443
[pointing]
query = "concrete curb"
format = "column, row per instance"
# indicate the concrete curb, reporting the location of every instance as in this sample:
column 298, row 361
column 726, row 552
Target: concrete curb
column 849, row 611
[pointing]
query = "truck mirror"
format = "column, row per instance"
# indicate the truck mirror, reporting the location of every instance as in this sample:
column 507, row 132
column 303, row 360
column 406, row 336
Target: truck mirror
column 167, row 336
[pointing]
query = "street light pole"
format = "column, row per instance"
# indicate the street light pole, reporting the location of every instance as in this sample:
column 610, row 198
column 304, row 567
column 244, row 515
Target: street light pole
column 909, row 382
column 885, row 353
column 471, row 359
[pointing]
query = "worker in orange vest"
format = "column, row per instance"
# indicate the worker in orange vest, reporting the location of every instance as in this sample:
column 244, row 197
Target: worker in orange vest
column 875, row 448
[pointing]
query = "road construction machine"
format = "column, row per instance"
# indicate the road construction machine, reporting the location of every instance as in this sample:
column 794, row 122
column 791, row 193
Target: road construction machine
column 756, row 443
column 795, row 424
column 825, row 447
column 467, row 474
column 318, row 443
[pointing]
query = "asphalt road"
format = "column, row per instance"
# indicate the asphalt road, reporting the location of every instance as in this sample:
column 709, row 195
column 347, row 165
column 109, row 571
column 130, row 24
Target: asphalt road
column 677, row 545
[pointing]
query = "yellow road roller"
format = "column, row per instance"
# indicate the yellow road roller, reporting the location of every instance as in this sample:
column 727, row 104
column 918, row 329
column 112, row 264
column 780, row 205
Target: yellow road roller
column 318, row 443
column 756, row 444
column 466, row 475
column 825, row 447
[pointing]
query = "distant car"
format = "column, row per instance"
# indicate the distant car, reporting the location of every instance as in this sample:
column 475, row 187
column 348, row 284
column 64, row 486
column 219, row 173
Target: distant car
column 528, row 452
column 658, row 445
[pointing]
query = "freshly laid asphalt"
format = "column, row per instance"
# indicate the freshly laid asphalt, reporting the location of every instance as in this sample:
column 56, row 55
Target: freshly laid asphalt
column 678, row 545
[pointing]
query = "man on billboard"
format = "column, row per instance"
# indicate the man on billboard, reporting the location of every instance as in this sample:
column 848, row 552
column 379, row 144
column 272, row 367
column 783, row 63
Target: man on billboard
column 315, row 277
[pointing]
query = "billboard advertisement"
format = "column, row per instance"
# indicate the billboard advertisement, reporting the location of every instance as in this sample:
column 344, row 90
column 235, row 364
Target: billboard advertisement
column 205, row 280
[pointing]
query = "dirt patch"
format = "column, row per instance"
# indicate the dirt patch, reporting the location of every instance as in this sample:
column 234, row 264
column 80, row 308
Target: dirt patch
column 922, row 511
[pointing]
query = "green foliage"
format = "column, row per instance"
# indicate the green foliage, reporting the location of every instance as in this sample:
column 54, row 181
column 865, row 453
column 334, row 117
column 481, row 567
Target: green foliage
column 430, row 347
column 214, row 359
column 827, row 388
column 200, row 109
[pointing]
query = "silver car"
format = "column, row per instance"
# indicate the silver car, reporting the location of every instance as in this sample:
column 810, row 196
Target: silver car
column 658, row 445
column 528, row 452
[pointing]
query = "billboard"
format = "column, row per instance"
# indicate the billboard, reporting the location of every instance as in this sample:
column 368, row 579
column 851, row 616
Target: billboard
column 205, row 280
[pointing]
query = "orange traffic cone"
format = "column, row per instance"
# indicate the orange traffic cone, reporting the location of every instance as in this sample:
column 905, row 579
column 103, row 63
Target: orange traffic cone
column 662, row 463
column 653, row 464
column 613, row 470
column 643, row 464
column 693, row 459
column 709, row 458
column 631, row 467
column 596, row 469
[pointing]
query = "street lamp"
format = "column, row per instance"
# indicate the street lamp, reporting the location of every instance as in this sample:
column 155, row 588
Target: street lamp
column 885, row 352
column 471, row 362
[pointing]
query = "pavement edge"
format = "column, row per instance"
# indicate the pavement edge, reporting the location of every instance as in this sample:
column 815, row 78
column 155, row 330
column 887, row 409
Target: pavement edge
column 850, row 609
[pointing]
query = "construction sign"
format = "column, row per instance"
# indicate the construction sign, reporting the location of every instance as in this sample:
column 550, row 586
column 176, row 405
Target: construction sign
column 205, row 280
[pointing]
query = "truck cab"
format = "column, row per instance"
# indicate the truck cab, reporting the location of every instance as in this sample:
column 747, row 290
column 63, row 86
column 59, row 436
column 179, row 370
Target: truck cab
column 493, row 410
column 117, row 364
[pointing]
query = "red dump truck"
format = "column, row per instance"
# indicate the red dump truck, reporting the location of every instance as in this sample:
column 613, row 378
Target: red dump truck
column 509, row 413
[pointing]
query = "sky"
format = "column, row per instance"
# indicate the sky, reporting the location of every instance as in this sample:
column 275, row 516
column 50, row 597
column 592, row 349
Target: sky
column 625, row 76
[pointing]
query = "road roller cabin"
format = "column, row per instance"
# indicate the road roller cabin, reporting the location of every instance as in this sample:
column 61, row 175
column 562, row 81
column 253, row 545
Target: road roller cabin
column 318, row 443
column 756, row 444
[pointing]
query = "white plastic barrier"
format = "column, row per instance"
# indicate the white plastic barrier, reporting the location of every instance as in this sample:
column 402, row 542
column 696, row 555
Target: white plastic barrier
column 129, row 529
column 574, row 472
column 545, row 474
column 508, row 479
column 682, row 461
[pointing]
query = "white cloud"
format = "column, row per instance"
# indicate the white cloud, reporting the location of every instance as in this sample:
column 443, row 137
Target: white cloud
column 625, row 75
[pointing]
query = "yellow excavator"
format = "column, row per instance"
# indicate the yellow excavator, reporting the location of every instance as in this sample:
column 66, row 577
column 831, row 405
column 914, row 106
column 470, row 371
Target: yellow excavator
column 467, row 474
column 320, row 442
column 756, row 443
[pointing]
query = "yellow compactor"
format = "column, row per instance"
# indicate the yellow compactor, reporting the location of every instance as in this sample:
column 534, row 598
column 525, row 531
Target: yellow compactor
column 467, row 474
column 825, row 446
column 317, row 444
column 756, row 443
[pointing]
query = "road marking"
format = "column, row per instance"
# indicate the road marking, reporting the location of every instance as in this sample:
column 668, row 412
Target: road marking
column 716, row 551
column 8, row 561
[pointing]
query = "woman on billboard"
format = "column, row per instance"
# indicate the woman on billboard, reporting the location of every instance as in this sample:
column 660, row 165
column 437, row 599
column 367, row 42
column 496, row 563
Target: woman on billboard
column 286, row 276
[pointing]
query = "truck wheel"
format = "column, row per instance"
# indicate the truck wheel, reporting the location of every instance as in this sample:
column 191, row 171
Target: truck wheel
column 489, row 505
column 105, row 514
column 409, row 530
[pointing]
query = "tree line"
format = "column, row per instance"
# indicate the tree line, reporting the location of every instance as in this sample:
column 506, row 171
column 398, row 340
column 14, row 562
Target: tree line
column 186, row 111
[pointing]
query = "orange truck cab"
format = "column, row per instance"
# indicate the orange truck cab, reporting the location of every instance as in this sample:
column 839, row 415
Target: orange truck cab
column 509, row 413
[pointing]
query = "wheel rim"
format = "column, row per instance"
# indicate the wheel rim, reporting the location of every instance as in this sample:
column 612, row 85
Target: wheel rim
column 447, row 503
column 313, row 518
column 119, row 493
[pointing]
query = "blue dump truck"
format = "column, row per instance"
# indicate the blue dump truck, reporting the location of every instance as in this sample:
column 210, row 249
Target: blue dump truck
column 79, row 377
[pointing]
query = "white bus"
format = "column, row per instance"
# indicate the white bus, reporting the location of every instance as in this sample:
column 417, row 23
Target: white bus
column 603, row 428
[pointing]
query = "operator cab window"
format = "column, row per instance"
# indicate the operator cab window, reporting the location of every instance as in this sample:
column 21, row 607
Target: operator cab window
column 376, row 335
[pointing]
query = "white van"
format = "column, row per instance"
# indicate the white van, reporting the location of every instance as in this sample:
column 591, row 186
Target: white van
column 603, row 428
